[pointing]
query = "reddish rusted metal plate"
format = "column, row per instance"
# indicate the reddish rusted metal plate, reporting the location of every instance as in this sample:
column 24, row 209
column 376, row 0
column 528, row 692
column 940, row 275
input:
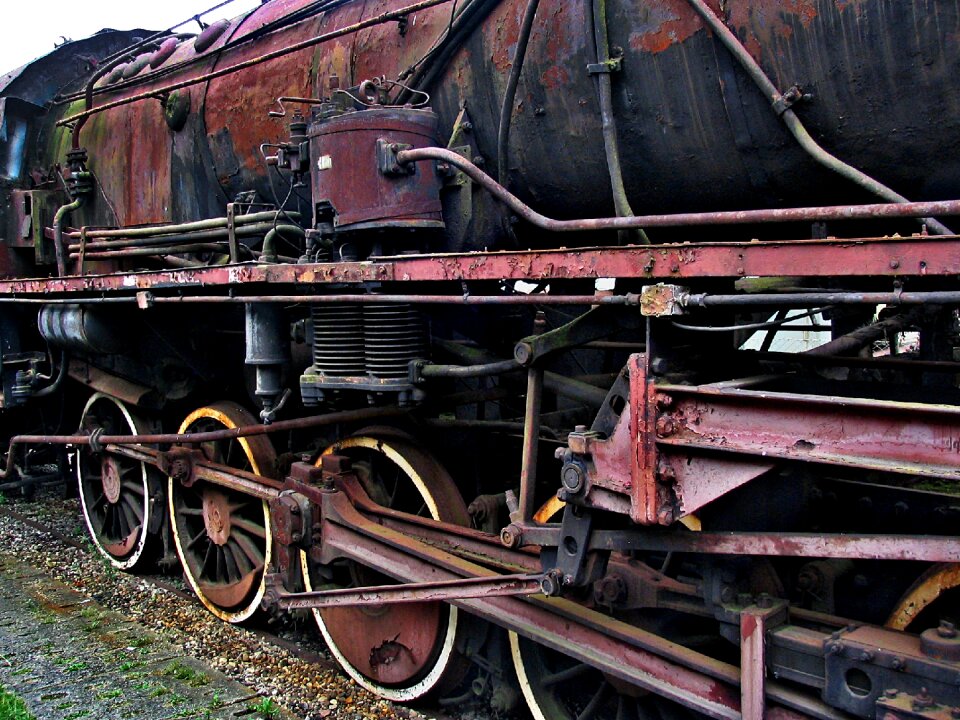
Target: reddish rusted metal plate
column 909, row 438
column 879, row 257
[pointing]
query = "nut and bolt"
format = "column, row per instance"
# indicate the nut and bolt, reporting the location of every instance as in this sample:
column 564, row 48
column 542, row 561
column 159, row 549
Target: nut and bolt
column 898, row 664
column 611, row 590
column 666, row 426
column 891, row 693
column 572, row 477
column 947, row 630
column 764, row 601
column 510, row 536
column 924, row 700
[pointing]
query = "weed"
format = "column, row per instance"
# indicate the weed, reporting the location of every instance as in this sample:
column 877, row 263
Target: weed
column 266, row 708
column 180, row 671
column 216, row 701
column 20, row 671
column 63, row 705
column 141, row 641
column 108, row 694
column 176, row 699
column 75, row 666
column 129, row 665
column 77, row 715
column 159, row 691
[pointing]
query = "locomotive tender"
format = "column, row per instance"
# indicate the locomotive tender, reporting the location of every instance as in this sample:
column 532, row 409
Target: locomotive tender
column 434, row 319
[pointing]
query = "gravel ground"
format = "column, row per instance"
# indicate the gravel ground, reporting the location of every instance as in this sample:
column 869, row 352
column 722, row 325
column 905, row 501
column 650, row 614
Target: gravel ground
column 312, row 690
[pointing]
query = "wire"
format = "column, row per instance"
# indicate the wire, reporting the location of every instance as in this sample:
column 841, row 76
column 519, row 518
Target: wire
column 751, row 326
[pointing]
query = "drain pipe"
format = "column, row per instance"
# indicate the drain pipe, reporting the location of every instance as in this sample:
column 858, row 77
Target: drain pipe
column 781, row 103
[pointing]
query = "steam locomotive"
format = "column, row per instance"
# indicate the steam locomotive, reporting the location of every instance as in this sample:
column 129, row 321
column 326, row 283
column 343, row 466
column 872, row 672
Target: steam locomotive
column 471, row 327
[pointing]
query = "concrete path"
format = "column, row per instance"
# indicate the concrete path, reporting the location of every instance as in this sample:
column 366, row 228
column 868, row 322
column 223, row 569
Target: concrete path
column 70, row 658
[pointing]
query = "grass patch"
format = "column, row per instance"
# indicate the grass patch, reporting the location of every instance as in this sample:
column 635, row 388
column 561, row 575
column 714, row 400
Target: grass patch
column 110, row 694
column 129, row 665
column 12, row 707
column 141, row 641
column 186, row 674
column 75, row 666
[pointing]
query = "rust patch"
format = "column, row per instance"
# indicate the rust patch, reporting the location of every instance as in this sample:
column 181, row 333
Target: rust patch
column 664, row 24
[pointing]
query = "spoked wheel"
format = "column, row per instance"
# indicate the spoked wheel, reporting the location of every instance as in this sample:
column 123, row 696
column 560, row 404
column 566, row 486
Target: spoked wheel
column 557, row 687
column 223, row 536
column 401, row 652
column 115, row 492
column 934, row 597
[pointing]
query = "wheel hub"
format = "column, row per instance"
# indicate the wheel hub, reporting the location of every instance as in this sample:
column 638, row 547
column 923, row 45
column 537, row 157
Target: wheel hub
column 110, row 477
column 216, row 516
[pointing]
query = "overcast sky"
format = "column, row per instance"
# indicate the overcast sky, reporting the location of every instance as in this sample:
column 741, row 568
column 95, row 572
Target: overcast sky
column 31, row 29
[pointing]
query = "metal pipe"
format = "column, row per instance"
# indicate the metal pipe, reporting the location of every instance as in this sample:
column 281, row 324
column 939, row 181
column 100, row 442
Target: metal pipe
column 608, row 123
column 504, row 426
column 391, row 16
column 55, row 385
column 854, row 342
column 510, row 93
column 793, row 123
column 343, row 416
column 147, row 251
column 200, row 235
column 61, row 213
column 816, row 299
column 269, row 253
column 469, row 371
column 737, row 217
column 210, row 224
column 567, row 387
column 628, row 299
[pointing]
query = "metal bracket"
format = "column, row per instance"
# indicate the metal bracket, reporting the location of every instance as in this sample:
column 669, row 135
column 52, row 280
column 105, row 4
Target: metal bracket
column 610, row 66
column 231, row 233
column 791, row 97
column 663, row 299
column 387, row 159
column 595, row 324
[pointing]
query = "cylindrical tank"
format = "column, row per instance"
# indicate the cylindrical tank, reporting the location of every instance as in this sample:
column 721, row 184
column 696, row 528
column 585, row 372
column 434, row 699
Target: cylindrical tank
column 695, row 132
column 366, row 195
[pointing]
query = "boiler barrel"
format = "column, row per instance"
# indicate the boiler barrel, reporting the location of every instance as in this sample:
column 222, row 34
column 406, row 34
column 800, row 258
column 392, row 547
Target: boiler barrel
column 695, row 132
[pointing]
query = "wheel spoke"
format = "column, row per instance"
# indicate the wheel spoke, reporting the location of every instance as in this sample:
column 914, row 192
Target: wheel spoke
column 590, row 711
column 249, row 548
column 250, row 527
column 564, row 675
column 133, row 486
column 244, row 564
column 197, row 538
column 135, row 506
